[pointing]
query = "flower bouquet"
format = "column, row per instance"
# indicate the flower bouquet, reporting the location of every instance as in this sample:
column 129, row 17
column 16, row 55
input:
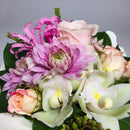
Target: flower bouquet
column 65, row 75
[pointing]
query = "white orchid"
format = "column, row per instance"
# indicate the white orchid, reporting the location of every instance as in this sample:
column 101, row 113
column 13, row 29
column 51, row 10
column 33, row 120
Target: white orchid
column 105, row 104
column 55, row 103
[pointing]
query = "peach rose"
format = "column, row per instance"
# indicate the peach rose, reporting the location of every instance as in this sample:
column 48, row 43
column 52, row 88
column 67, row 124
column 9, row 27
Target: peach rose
column 113, row 60
column 127, row 70
column 24, row 101
column 77, row 32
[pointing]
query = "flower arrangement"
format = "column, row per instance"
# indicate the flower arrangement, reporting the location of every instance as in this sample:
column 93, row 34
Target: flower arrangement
column 66, row 75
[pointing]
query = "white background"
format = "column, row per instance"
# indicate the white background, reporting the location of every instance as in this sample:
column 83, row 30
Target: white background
column 111, row 15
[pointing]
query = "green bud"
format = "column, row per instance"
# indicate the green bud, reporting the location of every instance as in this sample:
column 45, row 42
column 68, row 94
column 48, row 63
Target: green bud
column 8, row 35
column 74, row 126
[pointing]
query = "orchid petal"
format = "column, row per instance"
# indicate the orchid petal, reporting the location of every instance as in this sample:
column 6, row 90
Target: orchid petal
column 53, row 118
column 107, row 121
column 123, row 94
column 107, row 76
column 119, row 112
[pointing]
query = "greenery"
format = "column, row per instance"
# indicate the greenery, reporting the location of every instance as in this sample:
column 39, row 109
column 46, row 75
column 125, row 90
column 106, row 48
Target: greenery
column 103, row 36
column 3, row 102
column 57, row 13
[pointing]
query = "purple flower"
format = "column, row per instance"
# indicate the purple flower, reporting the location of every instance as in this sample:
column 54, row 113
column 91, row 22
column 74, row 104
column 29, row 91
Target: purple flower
column 21, row 74
column 60, row 58
column 30, row 39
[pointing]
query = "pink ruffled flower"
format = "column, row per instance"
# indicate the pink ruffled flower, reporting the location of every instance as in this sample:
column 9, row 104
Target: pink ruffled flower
column 30, row 39
column 60, row 58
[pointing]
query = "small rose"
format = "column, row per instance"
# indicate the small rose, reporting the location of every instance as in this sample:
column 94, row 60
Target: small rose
column 24, row 101
column 113, row 60
column 77, row 31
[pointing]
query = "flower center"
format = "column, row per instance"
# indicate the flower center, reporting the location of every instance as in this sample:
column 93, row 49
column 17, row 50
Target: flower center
column 55, row 100
column 59, row 54
column 103, row 102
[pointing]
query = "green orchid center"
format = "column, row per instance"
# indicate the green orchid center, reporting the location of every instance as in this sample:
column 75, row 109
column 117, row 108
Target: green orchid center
column 103, row 102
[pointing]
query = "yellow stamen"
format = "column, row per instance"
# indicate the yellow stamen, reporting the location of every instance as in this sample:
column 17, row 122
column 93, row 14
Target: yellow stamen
column 58, row 93
column 83, row 74
column 97, row 96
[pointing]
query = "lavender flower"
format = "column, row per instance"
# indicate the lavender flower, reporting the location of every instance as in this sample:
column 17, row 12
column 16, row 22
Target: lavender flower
column 17, row 76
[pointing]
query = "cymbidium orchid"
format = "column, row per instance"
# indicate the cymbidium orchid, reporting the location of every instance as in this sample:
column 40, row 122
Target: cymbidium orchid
column 105, row 104
column 60, row 58
column 55, row 101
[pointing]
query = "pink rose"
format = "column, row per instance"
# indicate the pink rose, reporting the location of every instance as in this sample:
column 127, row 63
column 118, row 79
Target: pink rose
column 77, row 32
column 113, row 60
column 24, row 101
column 127, row 70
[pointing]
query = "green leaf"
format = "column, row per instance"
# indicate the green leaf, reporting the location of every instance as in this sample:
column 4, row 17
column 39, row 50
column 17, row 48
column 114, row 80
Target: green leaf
column 123, row 80
column 28, row 117
column 38, row 125
column 127, row 58
column 1, row 81
column 3, row 102
column 105, row 37
column 57, row 13
column 117, row 47
column 9, row 59
column 125, row 123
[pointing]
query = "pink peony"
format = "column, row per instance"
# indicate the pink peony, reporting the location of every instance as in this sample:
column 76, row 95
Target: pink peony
column 77, row 32
column 23, row 101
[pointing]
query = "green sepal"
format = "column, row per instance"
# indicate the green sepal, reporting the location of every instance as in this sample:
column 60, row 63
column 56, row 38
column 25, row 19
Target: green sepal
column 38, row 125
column 105, row 37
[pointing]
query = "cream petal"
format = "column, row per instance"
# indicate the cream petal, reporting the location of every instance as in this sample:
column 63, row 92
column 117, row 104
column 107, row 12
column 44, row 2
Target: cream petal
column 123, row 94
column 107, row 76
column 53, row 118
column 82, row 104
column 107, row 121
column 119, row 112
